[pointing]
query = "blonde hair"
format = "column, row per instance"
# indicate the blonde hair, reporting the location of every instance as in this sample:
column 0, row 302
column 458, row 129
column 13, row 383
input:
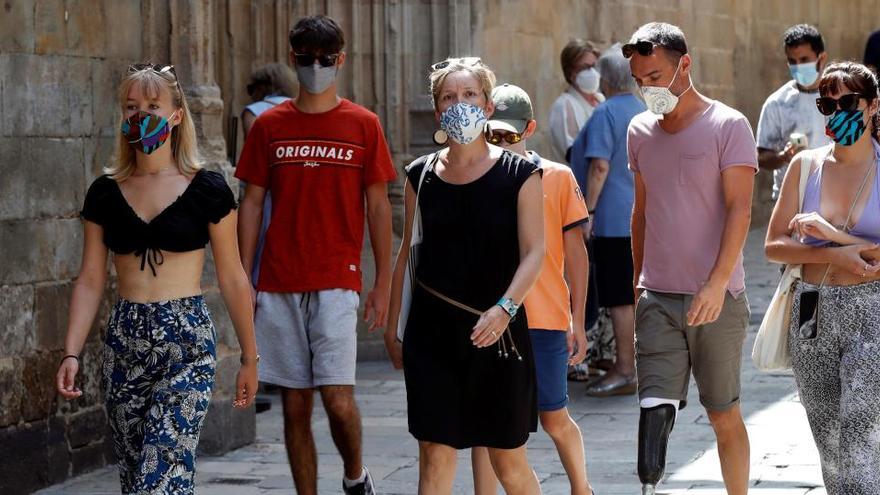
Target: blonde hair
column 479, row 70
column 184, row 146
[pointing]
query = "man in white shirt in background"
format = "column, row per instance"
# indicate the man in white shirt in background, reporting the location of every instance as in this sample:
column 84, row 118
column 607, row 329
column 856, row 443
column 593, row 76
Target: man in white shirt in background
column 789, row 119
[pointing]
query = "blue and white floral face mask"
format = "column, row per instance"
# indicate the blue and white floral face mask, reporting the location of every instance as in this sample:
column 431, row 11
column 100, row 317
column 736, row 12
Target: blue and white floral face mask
column 463, row 122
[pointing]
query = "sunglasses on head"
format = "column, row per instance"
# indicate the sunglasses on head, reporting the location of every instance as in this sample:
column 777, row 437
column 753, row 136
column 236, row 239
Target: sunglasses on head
column 828, row 105
column 306, row 59
column 464, row 60
column 495, row 137
column 161, row 69
column 643, row 48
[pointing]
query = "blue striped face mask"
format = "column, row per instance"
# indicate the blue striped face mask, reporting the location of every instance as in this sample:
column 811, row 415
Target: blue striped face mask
column 846, row 126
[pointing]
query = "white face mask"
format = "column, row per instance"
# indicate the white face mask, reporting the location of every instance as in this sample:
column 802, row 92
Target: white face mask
column 463, row 122
column 660, row 100
column 587, row 80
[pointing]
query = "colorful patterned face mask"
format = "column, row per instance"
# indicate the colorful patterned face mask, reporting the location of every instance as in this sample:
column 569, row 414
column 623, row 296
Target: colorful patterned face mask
column 846, row 126
column 146, row 131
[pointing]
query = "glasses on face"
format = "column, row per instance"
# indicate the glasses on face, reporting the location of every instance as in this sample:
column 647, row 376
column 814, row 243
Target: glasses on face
column 828, row 105
column 643, row 48
column 306, row 59
column 464, row 61
column 510, row 137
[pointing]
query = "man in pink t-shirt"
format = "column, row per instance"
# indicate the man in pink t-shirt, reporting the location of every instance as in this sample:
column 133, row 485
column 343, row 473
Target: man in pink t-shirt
column 694, row 162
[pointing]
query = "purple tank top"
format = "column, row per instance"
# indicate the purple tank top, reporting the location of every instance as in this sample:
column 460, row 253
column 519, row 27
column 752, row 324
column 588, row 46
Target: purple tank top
column 868, row 225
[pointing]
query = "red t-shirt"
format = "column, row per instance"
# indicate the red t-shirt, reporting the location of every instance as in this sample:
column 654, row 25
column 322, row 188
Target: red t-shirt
column 317, row 167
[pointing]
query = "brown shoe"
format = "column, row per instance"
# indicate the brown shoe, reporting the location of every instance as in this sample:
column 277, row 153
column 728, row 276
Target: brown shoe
column 613, row 385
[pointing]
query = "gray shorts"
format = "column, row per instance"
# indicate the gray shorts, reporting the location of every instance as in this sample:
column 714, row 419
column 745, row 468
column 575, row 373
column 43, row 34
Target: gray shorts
column 308, row 339
column 667, row 348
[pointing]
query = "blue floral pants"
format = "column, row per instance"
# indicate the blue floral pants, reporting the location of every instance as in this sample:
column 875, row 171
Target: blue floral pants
column 158, row 375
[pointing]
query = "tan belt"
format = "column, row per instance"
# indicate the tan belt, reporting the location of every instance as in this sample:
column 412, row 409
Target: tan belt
column 502, row 345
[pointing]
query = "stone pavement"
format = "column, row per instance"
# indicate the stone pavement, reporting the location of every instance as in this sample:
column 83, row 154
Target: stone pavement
column 784, row 459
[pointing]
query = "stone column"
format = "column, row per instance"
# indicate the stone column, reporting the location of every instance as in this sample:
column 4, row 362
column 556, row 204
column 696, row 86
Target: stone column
column 191, row 53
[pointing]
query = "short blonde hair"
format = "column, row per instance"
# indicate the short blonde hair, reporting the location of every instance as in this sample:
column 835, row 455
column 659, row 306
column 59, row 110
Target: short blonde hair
column 184, row 145
column 469, row 64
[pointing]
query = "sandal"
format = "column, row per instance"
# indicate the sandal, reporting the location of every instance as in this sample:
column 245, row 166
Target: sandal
column 579, row 373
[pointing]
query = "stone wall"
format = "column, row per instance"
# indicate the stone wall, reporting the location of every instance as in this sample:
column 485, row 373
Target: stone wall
column 60, row 62
column 736, row 45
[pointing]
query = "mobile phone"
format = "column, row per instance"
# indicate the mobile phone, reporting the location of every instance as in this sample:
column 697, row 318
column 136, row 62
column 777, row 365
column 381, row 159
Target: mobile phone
column 808, row 317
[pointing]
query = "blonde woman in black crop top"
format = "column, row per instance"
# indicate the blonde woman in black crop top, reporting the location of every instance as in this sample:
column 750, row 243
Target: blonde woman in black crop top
column 156, row 210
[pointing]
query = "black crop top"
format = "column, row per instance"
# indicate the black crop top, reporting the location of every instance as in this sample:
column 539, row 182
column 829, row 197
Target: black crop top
column 180, row 227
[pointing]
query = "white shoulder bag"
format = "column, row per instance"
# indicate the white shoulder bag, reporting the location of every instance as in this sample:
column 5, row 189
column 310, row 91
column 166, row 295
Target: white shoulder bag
column 409, row 277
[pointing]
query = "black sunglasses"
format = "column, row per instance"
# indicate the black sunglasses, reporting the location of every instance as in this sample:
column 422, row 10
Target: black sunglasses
column 643, row 48
column 495, row 137
column 828, row 105
column 464, row 60
column 306, row 59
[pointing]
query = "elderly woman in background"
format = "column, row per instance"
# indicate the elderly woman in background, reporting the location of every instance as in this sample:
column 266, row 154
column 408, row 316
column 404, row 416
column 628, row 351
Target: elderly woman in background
column 575, row 105
column 269, row 86
column 600, row 164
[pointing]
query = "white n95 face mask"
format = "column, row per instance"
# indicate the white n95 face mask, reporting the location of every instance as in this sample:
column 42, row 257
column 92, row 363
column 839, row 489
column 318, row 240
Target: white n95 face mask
column 660, row 100
column 587, row 80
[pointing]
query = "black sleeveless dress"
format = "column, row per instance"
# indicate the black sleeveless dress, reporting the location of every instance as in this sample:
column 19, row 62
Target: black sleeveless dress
column 458, row 394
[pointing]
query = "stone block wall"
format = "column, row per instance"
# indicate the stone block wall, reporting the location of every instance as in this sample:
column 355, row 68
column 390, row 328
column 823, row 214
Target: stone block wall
column 60, row 64
column 736, row 46
column 56, row 100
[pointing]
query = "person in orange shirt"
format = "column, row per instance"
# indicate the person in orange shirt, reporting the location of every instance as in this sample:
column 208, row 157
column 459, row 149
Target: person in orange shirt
column 555, row 309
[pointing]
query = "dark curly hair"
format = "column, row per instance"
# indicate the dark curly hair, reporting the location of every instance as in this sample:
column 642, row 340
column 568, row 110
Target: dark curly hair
column 800, row 34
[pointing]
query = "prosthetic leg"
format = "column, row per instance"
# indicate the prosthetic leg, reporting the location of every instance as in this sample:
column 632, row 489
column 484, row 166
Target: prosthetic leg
column 655, row 425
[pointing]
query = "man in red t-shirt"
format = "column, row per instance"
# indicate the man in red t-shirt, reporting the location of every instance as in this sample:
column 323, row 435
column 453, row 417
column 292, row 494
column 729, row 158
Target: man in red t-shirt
column 326, row 163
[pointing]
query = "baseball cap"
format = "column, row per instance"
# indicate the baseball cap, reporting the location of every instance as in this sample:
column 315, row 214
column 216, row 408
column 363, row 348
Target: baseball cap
column 513, row 108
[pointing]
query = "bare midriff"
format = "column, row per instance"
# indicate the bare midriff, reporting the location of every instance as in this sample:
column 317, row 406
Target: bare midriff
column 813, row 273
column 178, row 276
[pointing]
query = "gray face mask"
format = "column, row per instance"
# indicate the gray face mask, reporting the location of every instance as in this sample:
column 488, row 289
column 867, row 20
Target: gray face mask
column 315, row 78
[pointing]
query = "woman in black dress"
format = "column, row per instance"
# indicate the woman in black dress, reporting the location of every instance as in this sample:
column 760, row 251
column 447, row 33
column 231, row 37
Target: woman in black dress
column 466, row 355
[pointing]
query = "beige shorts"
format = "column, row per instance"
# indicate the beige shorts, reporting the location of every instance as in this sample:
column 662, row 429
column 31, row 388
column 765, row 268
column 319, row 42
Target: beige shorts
column 667, row 348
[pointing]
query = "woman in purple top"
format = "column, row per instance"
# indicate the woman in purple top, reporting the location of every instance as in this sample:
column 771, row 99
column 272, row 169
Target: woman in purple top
column 835, row 332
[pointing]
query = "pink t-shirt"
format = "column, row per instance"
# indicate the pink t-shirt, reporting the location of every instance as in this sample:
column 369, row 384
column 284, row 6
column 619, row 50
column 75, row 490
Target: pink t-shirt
column 684, row 211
